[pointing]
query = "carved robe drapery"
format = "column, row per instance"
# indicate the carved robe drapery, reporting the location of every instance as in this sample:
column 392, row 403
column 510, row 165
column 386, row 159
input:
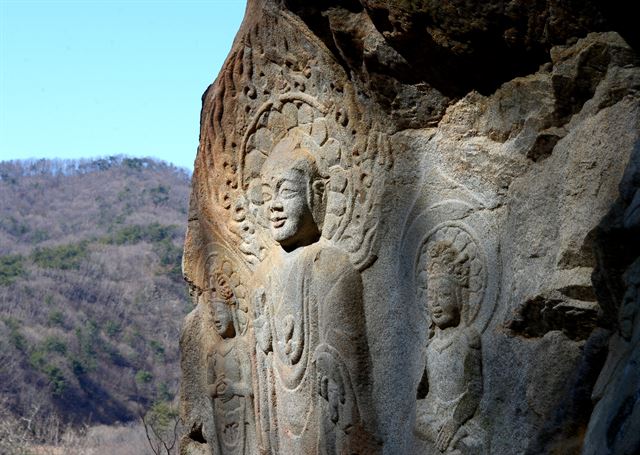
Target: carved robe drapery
column 454, row 380
column 312, row 346
column 234, row 419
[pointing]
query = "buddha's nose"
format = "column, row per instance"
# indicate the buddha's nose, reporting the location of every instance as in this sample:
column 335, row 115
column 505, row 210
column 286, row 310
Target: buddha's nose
column 276, row 206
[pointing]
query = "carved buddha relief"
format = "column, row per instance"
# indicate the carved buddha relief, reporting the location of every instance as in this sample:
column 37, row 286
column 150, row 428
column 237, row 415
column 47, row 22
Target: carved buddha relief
column 229, row 377
column 286, row 188
column 450, row 279
column 310, row 324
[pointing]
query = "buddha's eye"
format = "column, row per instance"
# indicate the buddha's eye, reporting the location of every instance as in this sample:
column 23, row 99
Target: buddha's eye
column 288, row 193
column 266, row 197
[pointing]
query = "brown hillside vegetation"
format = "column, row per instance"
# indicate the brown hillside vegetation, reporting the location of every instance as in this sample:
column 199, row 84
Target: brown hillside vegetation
column 91, row 293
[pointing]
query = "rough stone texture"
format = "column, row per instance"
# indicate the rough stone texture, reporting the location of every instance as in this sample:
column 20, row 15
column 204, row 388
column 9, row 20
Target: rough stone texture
column 615, row 424
column 414, row 229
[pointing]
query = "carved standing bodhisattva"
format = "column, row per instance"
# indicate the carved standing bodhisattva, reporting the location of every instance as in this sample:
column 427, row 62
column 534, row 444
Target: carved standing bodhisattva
column 453, row 375
column 229, row 379
column 313, row 360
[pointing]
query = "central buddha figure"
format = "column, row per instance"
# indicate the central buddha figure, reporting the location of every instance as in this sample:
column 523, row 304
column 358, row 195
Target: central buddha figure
column 313, row 359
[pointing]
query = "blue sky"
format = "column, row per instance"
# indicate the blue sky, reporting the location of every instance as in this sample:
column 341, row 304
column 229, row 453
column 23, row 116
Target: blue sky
column 97, row 78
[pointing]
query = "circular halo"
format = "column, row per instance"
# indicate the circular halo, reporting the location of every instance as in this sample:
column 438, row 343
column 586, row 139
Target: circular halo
column 217, row 267
column 272, row 122
column 464, row 241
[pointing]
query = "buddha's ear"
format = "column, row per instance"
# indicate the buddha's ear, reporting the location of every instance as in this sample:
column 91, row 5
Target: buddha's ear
column 318, row 206
column 318, row 187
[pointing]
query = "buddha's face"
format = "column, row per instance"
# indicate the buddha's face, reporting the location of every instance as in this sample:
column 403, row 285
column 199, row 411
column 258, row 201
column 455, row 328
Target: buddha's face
column 222, row 319
column 286, row 193
column 443, row 302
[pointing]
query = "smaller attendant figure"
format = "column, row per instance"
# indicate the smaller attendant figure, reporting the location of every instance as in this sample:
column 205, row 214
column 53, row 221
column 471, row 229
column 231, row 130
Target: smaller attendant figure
column 229, row 379
column 451, row 387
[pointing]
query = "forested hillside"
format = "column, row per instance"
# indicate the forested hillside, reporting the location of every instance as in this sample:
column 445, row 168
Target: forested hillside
column 91, row 294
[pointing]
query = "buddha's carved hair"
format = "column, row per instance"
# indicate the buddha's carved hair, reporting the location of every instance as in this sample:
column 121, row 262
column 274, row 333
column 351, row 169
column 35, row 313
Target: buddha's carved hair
column 222, row 290
column 446, row 261
column 291, row 153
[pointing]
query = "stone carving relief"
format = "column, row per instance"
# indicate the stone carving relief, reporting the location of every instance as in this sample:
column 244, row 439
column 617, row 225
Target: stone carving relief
column 287, row 188
column 451, row 280
column 263, row 96
column 217, row 388
column 345, row 164
column 229, row 376
column 455, row 292
column 349, row 298
column 465, row 222
column 312, row 347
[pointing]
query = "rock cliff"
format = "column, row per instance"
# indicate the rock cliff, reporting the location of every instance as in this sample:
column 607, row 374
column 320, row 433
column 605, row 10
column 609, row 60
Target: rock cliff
column 414, row 229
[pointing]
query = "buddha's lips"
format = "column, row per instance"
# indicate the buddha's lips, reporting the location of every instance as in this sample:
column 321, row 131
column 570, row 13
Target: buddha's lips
column 278, row 222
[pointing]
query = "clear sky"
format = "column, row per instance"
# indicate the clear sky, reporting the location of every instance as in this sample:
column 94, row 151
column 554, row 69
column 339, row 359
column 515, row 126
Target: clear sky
column 92, row 78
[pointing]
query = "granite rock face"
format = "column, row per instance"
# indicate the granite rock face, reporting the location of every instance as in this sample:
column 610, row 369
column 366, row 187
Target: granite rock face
column 414, row 229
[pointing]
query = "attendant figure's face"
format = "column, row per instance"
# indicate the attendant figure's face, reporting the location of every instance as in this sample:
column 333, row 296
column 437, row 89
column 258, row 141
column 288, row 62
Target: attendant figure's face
column 222, row 319
column 286, row 194
column 443, row 302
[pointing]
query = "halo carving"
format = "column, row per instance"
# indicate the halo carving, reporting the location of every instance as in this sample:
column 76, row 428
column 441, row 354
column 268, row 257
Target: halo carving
column 224, row 277
column 347, row 154
column 466, row 243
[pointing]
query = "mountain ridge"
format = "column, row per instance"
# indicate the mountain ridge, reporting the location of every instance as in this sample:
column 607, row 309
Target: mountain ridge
column 91, row 292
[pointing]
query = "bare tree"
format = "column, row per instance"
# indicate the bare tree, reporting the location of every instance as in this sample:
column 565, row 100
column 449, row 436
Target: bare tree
column 162, row 437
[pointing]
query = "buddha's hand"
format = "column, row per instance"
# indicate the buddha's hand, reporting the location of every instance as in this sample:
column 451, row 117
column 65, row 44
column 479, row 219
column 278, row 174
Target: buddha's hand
column 261, row 322
column 330, row 383
column 223, row 389
column 445, row 434
column 333, row 392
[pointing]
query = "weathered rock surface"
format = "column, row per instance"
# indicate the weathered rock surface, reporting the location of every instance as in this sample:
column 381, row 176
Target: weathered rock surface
column 414, row 229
